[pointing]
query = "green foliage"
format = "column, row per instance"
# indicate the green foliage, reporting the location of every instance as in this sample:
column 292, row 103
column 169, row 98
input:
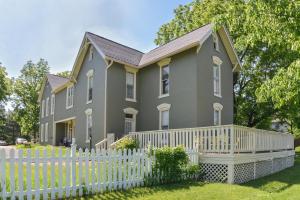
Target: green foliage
column 283, row 90
column 172, row 165
column 127, row 143
column 26, row 90
column 265, row 35
column 65, row 74
column 4, row 84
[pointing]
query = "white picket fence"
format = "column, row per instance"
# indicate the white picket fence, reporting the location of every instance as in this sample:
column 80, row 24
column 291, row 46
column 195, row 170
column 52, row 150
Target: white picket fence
column 73, row 174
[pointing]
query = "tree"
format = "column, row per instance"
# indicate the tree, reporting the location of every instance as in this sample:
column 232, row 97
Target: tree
column 25, row 99
column 4, row 92
column 283, row 90
column 65, row 74
column 265, row 34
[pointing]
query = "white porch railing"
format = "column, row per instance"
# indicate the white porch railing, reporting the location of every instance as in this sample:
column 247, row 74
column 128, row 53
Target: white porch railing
column 218, row 139
column 105, row 143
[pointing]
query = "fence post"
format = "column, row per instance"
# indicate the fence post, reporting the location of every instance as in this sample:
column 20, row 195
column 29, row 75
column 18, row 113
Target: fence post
column 230, row 174
column 232, row 140
column 73, row 166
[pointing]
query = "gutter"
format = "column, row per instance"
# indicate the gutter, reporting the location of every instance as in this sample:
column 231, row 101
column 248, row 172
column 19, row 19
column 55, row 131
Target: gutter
column 108, row 65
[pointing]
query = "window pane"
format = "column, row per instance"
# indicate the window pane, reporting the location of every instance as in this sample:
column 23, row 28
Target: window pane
column 165, row 80
column 216, row 117
column 129, row 85
column 129, row 92
column 128, row 116
column 164, row 119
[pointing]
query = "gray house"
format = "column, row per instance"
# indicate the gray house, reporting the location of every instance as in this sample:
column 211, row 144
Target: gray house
column 113, row 88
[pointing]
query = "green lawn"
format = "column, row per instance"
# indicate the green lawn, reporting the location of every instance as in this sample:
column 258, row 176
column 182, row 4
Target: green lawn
column 41, row 148
column 284, row 185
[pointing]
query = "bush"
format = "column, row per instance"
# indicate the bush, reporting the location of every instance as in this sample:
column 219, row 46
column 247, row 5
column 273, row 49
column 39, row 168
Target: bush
column 127, row 143
column 172, row 165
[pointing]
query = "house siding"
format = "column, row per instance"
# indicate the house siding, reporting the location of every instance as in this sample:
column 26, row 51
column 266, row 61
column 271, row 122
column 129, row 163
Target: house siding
column 49, row 119
column 205, row 90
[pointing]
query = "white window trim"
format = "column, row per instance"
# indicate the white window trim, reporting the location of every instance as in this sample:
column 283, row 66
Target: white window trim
column 46, row 131
column 133, row 112
column 217, row 61
column 218, row 107
column 216, row 40
column 89, row 74
column 134, row 72
column 161, row 108
column 162, row 64
column 43, row 108
column 67, row 97
column 42, row 133
column 88, row 112
column 52, row 104
column 47, row 107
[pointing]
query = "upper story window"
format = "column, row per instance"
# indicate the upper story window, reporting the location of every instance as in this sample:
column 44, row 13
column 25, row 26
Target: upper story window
column 217, row 76
column 52, row 104
column 91, row 53
column 70, row 96
column 89, row 124
column 216, row 42
column 164, row 77
column 164, row 112
column 217, row 113
column 47, row 107
column 90, row 85
column 131, row 83
column 43, row 108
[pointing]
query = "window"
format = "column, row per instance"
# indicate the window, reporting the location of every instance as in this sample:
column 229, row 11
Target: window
column 165, row 80
column 42, row 133
column 52, row 104
column 130, row 120
column 43, row 108
column 217, row 113
column 91, row 53
column 217, row 76
column 47, row 107
column 70, row 96
column 89, row 124
column 131, row 83
column 164, row 116
column 46, row 132
column 216, row 41
column 90, row 85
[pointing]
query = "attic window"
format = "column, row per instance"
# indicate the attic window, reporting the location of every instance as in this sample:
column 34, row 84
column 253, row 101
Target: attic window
column 91, row 53
column 216, row 41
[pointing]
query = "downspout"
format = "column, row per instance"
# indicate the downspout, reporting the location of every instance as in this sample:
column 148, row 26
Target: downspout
column 109, row 64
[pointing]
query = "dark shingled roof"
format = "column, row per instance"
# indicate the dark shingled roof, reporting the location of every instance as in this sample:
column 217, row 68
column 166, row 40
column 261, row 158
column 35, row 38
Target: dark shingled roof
column 139, row 59
column 116, row 51
column 56, row 81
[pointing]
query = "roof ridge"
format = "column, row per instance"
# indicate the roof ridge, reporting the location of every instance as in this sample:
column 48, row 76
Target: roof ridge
column 57, row 75
column 115, row 42
column 179, row 37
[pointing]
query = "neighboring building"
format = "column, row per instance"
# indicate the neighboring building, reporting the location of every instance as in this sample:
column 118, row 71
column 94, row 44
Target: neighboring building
column 278, row 125
column 113, row 88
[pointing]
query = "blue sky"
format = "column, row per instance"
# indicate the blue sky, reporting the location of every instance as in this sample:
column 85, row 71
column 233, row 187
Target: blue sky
column 53, row 29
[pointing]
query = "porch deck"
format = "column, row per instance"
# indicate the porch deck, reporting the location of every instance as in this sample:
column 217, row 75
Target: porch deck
column 228, row 153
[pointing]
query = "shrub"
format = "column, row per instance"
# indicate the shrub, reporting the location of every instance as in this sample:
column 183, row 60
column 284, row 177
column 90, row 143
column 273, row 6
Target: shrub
column 127, row 143
column 172, row 165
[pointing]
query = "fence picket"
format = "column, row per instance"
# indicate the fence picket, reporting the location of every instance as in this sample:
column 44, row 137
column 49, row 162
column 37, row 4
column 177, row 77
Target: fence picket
column 86, row 168
column 60, row 174
column 12, row 173
column 20, row 174
column 73, row 169
column 93, row 171
column 45, row 177
column 3, row 173
column 28, row 171
column 37, row 175
column 80, row 171
column 52, row 177
column 67, row 171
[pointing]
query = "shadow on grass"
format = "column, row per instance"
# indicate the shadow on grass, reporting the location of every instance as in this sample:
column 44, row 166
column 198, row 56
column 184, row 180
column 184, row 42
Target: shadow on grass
column 143, row 191
column 280, row 181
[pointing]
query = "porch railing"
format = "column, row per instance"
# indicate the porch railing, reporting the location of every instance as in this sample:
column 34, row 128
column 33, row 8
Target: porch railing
column 218, row 139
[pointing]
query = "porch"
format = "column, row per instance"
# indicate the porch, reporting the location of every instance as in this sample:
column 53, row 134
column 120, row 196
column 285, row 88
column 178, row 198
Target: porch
column 64, row 132
column 227, row 153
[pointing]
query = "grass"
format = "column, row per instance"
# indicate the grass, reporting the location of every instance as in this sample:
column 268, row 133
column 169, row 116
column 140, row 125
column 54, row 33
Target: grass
column 284, row 185
column 34, row 147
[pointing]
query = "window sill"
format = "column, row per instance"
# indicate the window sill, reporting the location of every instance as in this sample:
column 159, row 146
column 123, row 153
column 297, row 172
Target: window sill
column 131, row 100
column 87, row 141
column 217, row 95
column 88, row 102
column 163, row 95
column 69, row 107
